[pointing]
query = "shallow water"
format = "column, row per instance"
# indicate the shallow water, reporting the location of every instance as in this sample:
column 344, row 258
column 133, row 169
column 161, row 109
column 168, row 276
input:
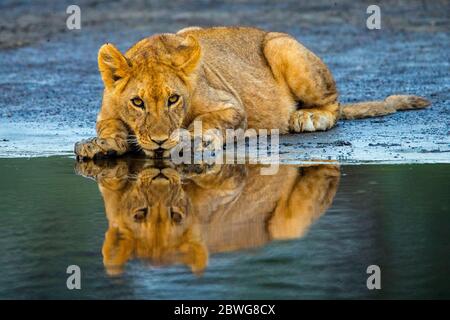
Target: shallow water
column 231, row 233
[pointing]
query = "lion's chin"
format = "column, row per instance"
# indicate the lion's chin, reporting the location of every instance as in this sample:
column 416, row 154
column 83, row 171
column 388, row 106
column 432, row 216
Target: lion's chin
column 149, row 153
column 157, row 154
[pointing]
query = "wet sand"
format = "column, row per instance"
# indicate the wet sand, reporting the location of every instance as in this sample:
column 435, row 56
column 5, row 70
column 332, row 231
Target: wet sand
column 51, row 90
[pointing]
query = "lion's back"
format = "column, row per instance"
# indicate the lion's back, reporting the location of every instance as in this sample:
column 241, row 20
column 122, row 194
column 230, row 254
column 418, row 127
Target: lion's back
column 237, row 53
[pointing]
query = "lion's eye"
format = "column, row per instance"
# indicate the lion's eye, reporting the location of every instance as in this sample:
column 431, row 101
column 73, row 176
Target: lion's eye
column 176, row 216
column 137, row 102
column 139, row 215
column 173, row 99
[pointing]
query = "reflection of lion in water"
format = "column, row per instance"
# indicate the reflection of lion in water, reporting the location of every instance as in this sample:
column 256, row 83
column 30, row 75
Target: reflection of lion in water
column 179, row 215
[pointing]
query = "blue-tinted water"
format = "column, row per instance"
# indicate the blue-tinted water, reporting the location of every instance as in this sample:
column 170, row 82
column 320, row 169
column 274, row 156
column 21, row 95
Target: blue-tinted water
column 222, row 232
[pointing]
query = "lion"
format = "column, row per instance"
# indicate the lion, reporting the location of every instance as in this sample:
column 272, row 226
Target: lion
column 166, row 214
column 225, row 77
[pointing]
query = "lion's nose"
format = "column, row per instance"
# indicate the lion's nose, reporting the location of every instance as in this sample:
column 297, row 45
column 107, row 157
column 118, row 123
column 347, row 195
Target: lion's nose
column 159, row 141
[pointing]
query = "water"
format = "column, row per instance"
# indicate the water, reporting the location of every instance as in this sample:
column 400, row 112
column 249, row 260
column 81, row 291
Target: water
column 230, row 233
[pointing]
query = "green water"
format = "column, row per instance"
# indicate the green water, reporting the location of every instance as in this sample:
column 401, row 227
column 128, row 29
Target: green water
column 393, row 216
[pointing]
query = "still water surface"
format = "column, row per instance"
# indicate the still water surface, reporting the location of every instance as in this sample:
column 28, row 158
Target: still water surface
column 145, row 230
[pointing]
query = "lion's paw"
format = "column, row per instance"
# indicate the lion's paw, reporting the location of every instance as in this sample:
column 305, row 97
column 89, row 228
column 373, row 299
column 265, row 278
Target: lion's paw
column 310, row 121
column 98, row 147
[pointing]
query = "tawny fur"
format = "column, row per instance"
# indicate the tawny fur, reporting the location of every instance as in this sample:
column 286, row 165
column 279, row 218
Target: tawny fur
column 223, row 208
column 226, row 77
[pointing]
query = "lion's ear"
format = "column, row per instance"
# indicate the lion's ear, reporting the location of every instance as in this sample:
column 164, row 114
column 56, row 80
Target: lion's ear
column 116, row 251
column 184, row 52
column 112, row 64
column 188, row 55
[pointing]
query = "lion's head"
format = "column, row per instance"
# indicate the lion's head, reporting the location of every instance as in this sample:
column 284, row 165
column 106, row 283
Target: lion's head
column 150, row 217
column 149, row 87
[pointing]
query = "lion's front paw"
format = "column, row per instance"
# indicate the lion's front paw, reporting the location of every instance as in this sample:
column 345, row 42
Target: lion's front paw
column 210, row 142
column 190, row 171
column 98, row 147
column 107, row 172
column 88, row 169
column 309, row 121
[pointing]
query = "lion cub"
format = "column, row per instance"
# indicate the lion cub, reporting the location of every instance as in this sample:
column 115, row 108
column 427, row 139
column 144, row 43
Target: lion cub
column 166, row 214
column 225, row 77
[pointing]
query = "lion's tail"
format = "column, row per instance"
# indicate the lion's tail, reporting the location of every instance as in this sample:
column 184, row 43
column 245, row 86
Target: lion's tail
column 380, row 108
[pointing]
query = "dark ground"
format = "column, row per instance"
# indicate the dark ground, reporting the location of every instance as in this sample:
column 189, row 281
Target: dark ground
column 50, row 90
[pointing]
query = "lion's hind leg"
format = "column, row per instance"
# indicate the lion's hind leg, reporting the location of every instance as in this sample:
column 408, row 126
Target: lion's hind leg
column 307, row 78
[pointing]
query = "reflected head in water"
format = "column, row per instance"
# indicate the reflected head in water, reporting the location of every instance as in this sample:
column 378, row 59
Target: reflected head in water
column 167, row 214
